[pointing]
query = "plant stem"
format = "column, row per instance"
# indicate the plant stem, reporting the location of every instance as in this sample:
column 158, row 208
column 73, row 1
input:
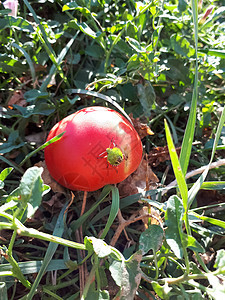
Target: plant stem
column 187, row 264
column 186, row 221
column 50, row 238
column 31, row 232
column 12, row 240
column 89, row 280
column 16, row 272
column 156, row 265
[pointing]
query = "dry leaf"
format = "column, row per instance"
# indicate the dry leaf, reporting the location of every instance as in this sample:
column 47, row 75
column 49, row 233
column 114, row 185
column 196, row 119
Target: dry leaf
column 207, row 257
column 47, row 178
column 160, row 154
column 137, row 181
column 155, row 218
column 55, row 204
column 142, row 129
column 17, row 98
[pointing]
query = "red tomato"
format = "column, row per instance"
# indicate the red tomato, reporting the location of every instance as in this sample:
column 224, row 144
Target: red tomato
column 78, row 160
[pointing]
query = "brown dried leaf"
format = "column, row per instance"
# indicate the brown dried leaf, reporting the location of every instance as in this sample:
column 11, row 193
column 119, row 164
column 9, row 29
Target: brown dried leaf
column 207, row 257
column 142, row 129
column 160, row 154
column 155, row 215
column 40, row 68
column 47, row 178
column 17, row 98
column 55, row 204
column 138, row 180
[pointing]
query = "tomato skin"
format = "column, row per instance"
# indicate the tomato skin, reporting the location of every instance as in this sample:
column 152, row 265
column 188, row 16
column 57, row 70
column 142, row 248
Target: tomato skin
column 75, row 161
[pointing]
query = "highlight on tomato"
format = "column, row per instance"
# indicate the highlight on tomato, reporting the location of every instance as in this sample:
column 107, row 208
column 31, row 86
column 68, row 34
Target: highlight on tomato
column 99, row 147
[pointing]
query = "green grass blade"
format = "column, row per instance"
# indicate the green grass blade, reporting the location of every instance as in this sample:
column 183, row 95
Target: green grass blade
column 3, row 291
column 58, row 231
column 210, row 220
column 176, row 167
column 195, row 188
column 59, row 60
column 44, row 40
column 52, row 57
column 31, row 267
column 101, row 96
column 190, row 129
column 56, row 138
column 40, row 26
column 76, row 224
column 11, row 163
column 214, row 52
column 213, row 185
column 29, row 61
column 113, row 212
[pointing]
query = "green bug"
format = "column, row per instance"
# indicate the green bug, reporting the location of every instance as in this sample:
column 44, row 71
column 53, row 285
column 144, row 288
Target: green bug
column 114, row 155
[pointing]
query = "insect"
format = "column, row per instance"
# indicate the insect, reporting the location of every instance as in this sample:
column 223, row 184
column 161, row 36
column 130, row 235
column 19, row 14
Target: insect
column 114, row 155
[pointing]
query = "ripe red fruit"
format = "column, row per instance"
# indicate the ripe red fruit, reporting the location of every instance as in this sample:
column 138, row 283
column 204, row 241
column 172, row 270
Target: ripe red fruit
column 82, row 158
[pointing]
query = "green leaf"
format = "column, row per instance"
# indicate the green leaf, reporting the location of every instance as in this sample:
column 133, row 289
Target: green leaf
column 182, row 5
column 31, row 190
column 151, row 239
column 146, row 96
column 218, row 286
column 191, row 243
column 113, row 212
column 161, row 291
column 3, row 176
column 132, row 276
column 127, row 275
column 173, row 218
column 19, row 23
column 12, row 143
column 176, row 167
column 59, row 60
column 182, row 46
column 70, row 6
column 41, row 108
column 33, row 95
column 9, row 64
column 5, row 173
column 84, row 28
column 77, row 223
column 96, row 294
column 115, row 269
column 99, row 246
column 95, row 51
column 220, row 260
column 217, row 13
column 28, row 59
column 135, row 45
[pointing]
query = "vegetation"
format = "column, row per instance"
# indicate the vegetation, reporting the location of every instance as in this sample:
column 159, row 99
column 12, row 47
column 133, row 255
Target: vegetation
column 163, row 62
